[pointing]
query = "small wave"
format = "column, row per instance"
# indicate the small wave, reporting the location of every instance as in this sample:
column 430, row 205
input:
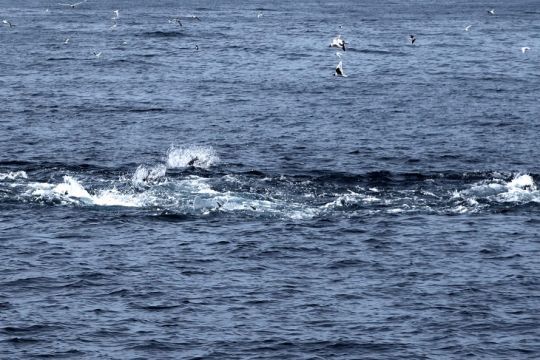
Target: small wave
column 196, row 156
column 12, row 175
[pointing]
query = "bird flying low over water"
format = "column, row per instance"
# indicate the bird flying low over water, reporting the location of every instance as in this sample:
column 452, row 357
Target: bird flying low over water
column 339, row 70
column 525, row 49
column 96, row 54
column 412, row 39
column 259, row 14
column 116, row 14
column 491, row 12
column 72, row 5
column 338, row 42
column 467, row 27
column 7, row 23
column 175, row 21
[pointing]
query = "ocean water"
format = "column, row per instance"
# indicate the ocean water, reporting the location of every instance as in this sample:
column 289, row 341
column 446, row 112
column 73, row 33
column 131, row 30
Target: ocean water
column 238, row 201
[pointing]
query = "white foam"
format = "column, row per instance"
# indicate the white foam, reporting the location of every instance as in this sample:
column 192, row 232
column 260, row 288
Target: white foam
column 72, row 191
column 196, row 156
column 521, row 189
column 115, row 198
column 13, row 175
column 522, row 182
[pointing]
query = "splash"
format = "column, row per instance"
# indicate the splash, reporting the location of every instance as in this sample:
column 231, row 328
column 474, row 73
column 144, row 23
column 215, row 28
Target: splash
column 72, row 191
column 145, row 176
column 520, row 190
column 196, row 156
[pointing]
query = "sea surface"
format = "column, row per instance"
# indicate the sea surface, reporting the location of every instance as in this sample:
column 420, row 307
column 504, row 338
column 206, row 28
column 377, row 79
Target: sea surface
column 211, row 190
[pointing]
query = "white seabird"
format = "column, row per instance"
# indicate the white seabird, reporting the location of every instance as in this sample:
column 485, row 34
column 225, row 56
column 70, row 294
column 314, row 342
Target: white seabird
column 116, row 14
column 491, row 12
column 412, row 39
column 467, row 27
column 72, row 5
column 338, row 42
column 96, row 54
column 524, row 49
column 7, row 23
column 339, row 70
column 259, row 14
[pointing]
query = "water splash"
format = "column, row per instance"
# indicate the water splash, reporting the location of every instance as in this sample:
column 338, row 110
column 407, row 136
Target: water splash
column 196, row 156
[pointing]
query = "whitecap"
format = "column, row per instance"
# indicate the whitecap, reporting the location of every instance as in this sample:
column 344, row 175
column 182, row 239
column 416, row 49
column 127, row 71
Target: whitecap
column 12, row 175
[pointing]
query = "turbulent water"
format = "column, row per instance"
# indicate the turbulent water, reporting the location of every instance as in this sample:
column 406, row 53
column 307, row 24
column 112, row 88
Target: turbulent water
column 210, row 190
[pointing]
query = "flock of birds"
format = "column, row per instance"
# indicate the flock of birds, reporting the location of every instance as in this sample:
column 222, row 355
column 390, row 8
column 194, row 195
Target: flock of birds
column 337, row 42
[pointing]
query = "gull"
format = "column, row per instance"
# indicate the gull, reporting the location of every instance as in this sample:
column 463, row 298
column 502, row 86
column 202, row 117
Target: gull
column 96, row 54
column 525, row 49
column 339, row 70
column 259, row 14
column 491, row 12
column 175, row 21
column 7, row 23
column 116, row 14
column 467, row 27
column 195, row 18
column 72, row 5
column 66, row 41
column 338, row 42
column 412, row 39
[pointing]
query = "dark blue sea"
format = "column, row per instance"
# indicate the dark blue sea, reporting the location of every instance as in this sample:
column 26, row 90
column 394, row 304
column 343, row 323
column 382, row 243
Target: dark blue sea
column 190, row 180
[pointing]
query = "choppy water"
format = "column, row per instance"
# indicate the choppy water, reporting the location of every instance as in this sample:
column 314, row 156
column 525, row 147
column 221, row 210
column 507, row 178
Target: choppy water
column 394, row 213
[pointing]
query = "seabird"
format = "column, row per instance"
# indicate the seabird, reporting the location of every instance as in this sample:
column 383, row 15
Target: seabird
column 116, row 14
column 175, row 21
column 467, row 27
column 195, row 18
column 196, row 47
column 338, row 42
column 412, row 39
column 259, row 14
column 525, row 49
column 491, row 12
column 96, row 54
column 66, row 41
column 72, row 5
column 339, row 70
column 7, row 23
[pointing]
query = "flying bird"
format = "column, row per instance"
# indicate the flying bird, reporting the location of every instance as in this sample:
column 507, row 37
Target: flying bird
column 259, row 14
column 339, row 70
column 467, row 27
column 7, row 23
column 116, row 14
column 175, row 21
column 491, row 12
column 66, row 41
column 72, row 5
column 412, row 39
column 525, row 49
column 338, row 42
column 96, row 54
